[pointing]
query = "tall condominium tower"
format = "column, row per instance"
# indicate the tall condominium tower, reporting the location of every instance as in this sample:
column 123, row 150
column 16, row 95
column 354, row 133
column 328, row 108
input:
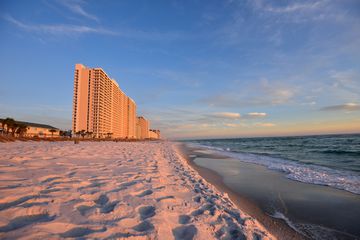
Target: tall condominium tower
column 142, row 128
column 100, row 106
column 131, row 118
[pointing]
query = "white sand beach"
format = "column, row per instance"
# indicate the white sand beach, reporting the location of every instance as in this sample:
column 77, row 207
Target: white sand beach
column 112, row 190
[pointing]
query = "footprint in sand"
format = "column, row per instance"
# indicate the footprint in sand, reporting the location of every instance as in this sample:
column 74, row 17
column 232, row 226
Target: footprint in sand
column 128, row 184
column 102, row 200
column 184, row 232
column 144, row 226
column 84, row 209
column 233, row 232
column 146, row 212
column 80, row 232
column 145, row 193
column 32, row 204
column 164, row 198
column 23, row 221
column 197, row 212
column 18, row 201
column 49, row 179
column 197, row 199
column 10, row 186
column 109, row 207
column 116, row 189
column 104, row 205
column 184, row 219
column 50, row 190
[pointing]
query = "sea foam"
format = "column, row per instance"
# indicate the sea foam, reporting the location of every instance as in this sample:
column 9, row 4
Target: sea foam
column 307, row 173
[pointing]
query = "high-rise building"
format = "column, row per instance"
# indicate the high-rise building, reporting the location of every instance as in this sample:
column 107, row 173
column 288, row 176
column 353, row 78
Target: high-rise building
column 142, row 128
column 100, row 107
column 131, row 118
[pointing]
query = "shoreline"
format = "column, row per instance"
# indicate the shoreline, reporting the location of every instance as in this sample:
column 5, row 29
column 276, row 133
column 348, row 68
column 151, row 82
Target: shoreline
column 277, row 227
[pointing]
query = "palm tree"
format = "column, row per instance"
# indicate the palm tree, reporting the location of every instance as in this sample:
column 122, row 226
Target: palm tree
column 9, row 123
column 21, row 129
column 83, row 133
column 77, row 133
column 89, row 134
column 14, row 126
column 53, row 130
column 3, row 125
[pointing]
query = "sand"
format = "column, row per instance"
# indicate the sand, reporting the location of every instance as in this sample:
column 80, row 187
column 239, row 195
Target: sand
column 112, row 190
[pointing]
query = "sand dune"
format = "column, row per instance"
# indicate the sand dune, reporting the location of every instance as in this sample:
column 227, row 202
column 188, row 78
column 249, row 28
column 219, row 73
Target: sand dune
column 108, row 190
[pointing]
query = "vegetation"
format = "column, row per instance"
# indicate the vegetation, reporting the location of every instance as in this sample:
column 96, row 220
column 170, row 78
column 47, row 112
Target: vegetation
column 21, row 129
column 10, row 126
column 52, row 131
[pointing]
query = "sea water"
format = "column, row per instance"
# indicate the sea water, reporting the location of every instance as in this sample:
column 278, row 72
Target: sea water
column 313, row 210
column 331, row 160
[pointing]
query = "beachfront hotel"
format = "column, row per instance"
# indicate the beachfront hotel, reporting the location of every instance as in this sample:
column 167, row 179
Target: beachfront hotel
column 142, row 128
column 102, row 109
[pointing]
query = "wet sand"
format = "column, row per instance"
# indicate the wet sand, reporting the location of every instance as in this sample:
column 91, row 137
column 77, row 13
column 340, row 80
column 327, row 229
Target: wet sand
column 319, row 212
column 277, row 227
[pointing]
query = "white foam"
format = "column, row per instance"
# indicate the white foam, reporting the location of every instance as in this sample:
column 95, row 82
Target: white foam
column 279, row 215
column 340, row 179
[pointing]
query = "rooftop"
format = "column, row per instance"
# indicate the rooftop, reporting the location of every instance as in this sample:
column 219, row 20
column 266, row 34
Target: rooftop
column 30, row 124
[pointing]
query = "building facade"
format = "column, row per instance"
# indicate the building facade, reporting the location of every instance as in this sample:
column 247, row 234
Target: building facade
column 142, row 128
column 100, row 107
column 131, row 118
column 154, row 134
column 34, row 129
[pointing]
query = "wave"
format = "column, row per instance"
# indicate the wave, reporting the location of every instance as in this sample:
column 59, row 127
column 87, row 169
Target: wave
column 307, row 173
column 354, row 153
column 313, row 231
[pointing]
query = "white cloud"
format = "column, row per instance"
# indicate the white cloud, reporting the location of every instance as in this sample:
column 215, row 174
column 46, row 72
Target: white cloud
column 230, row 124
column 312, row 103
column 71, row 30
column 278, row 94
column 343, row 107
column 261, row 124
column 296, row 7
column 76, row 7
column 59, row 29
column 229, row 115
column 257, row 114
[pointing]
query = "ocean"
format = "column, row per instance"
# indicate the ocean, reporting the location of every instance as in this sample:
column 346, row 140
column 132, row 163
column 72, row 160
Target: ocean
column 331, row 160
column 310, row 182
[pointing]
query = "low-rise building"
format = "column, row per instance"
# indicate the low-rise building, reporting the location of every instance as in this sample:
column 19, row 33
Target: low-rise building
column 41, row 130
column 35, row 129
column 154, row 134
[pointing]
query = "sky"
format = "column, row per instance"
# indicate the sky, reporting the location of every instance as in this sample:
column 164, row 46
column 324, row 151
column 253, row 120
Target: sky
column 196, row 69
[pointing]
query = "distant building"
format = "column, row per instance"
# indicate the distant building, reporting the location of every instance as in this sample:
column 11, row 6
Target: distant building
column 41, row 130
column 154, row 134
column 100, row 107
column 131, row 118
column 38, row 129
column 142, row 128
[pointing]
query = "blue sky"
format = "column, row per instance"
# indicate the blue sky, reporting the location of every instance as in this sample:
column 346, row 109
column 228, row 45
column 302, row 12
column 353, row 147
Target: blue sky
column 194, row 68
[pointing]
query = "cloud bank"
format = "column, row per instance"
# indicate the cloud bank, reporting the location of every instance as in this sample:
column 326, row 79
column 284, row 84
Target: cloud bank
column 343, row 107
